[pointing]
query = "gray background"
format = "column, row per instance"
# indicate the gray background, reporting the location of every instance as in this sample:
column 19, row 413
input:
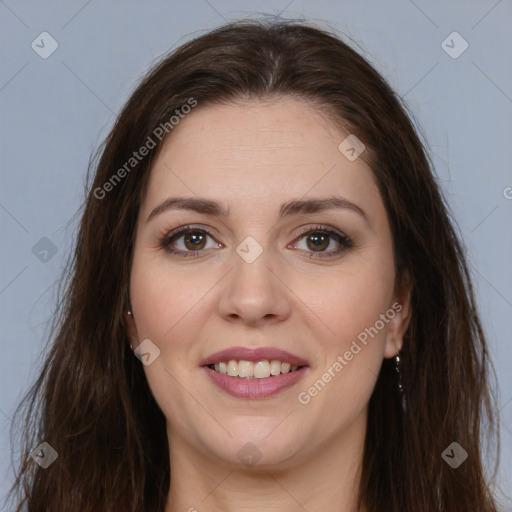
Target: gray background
column 55, row 111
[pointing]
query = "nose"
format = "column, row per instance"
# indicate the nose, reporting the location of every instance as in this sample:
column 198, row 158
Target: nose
column 254, row 294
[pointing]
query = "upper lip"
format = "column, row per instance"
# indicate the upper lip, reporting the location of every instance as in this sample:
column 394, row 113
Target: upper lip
column 254, row 354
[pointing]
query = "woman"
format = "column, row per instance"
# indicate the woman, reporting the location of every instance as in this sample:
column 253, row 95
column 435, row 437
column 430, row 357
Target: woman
column 265, row 233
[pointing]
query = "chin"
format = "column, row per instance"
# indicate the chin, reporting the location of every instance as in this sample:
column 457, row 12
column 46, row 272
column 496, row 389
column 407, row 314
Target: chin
column 257, row 452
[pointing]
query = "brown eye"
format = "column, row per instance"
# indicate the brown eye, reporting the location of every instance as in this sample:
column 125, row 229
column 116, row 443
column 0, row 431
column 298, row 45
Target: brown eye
column 322, row 242
column 318, row 242
column 188, row 241
column 194, row 240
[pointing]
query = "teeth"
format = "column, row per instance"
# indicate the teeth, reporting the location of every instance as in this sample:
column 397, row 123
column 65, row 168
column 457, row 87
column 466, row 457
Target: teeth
column 262, row 369
column 233, row 368
column 249, row 370
column 275, row 367
column 245, row 369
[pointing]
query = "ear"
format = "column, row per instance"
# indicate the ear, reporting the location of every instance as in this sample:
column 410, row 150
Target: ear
column 397, row 326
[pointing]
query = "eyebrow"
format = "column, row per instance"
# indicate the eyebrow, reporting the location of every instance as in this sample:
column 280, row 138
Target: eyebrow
column 290, row 208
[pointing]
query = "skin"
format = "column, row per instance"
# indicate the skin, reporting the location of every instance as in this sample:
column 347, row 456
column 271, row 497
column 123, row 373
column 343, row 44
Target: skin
column 252, row 157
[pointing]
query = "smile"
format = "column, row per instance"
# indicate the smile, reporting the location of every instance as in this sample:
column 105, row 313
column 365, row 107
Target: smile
column 254, row 373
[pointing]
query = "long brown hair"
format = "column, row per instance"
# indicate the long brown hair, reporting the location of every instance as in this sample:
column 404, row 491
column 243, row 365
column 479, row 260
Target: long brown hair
column 92, row 403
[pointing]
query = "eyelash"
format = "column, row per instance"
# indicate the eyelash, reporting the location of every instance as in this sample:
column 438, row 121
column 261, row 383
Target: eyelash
column 345, row 242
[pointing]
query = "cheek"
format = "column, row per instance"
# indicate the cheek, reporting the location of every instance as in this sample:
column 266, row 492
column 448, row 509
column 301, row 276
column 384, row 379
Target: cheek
column 170, row 310
column 348, row 303
column 360, row 303
column 166, row 305
column 355, row 310
column 339, row 388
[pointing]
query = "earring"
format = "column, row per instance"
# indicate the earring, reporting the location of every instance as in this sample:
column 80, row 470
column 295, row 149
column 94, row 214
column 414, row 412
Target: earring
column 401, row 389
column 130, row 313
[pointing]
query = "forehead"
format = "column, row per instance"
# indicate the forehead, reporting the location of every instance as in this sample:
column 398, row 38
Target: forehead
column 261, row 152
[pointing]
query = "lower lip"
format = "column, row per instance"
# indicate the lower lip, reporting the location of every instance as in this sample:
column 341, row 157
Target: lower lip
column 254, row 389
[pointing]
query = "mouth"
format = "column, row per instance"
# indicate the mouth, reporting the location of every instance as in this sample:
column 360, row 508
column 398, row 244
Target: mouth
column 254, row 373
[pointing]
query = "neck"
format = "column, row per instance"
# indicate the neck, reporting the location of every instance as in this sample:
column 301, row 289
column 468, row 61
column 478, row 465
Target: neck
column 327, row 478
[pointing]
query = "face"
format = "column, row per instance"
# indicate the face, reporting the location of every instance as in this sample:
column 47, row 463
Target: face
column 251, row 277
